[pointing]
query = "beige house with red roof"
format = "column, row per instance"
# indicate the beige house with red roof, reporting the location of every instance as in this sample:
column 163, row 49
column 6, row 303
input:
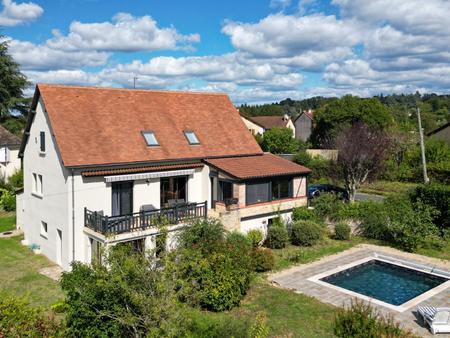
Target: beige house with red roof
column 103, row 166
column 260, row 124
column 9, row 151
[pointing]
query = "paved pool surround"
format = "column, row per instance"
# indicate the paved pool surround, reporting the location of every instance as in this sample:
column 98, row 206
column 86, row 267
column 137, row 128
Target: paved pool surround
column 306, row 279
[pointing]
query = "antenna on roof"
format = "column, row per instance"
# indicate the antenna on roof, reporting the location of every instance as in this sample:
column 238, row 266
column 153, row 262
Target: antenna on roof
column 134, row 81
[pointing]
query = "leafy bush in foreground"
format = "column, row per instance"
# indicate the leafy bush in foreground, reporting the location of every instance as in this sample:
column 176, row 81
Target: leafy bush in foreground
column 342, row 231
column 360, row 320
column 7, row 200
column 263, row 259
column 277, row 236
column 256, row 237
column 306, row 233
column 18, row 319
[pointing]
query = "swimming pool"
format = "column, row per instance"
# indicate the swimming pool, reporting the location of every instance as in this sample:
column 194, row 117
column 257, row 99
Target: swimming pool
column 386, row 282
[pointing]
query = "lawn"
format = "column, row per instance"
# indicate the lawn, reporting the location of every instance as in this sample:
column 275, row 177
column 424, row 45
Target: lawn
column 387, row 188
column 7, row 221
column 19, row 271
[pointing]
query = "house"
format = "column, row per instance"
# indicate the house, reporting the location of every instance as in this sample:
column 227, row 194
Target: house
column 260, row 124
column 9, row 151
column 303, row 125
column 104, row 166
column 441, row 133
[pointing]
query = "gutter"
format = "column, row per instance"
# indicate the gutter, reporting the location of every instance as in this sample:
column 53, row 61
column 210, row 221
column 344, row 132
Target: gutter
column 73, row 217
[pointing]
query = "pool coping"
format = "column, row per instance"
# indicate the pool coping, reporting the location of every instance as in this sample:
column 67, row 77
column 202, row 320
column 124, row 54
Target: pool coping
column 394, row 261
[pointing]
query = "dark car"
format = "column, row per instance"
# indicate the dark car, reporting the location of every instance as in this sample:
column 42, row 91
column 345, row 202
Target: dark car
column 315, row 190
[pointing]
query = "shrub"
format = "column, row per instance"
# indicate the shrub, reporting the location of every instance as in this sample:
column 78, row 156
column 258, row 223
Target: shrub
column 255, row 237
column 360, row 320
column 306, row 233
column 437, row 196
column 7, row 200
column 342, row 231
column 277, row 236
column 16, row 179
column 321, row 167
column 304, row 214
column 213, row 270
column 327, row 206
column 18, row 319
column 263, row 259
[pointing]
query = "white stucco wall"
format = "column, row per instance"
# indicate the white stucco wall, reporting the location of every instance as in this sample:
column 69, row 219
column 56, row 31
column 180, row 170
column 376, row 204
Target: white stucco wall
column 13, row 165
column 262, row 222
column 52, row 207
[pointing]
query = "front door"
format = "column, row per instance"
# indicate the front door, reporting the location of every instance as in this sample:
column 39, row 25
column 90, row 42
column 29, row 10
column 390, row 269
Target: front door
column 173, row 190
column 122, row 198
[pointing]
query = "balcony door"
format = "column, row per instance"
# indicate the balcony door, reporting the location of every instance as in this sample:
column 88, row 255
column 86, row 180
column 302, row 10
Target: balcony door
column 122, row 198
column 173, row 190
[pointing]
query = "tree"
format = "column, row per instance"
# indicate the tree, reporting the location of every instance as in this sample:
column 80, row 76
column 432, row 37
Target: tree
column 342, row 113
column 280, row 141
column 363, row 152
column 12, row 84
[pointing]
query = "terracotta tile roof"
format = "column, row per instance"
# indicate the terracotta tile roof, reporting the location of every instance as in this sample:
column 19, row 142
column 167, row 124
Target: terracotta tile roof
column 265, row 165
column 268, row 122
column 94, row 126
column 7, row 138
column 141, row 169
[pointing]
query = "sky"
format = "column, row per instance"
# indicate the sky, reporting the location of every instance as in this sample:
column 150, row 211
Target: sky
column 254, row 50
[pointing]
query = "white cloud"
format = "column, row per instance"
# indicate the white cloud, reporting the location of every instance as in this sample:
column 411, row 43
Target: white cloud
column 125, row 33
column 280, row 3
column 14, row 14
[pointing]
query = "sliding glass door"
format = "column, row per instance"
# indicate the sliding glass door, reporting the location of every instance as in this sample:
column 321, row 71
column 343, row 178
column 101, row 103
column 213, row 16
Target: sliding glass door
column 173, row 190
column 122, row 198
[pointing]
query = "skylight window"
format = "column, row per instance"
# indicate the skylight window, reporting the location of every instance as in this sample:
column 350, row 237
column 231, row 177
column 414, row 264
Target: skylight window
column 150, row 138
column 191, row 137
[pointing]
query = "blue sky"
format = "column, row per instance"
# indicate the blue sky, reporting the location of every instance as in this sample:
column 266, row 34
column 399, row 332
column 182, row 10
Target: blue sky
column 256, row 51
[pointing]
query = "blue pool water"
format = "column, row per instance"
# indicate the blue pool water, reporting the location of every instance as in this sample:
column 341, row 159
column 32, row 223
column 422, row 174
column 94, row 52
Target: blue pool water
column 389, row 283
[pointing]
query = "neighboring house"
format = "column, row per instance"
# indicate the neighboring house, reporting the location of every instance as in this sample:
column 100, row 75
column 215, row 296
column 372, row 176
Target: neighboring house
column 441, row 133
column 303, row 125
column 260, row 124
column 103, row 166
column 9, row 153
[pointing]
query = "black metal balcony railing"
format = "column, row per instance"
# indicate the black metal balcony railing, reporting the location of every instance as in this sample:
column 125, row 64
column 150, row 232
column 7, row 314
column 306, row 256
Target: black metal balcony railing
column 145, row 219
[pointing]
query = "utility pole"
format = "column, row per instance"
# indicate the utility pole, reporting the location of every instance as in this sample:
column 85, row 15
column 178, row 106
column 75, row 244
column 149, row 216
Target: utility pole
column 134, row 81
column 422, row 149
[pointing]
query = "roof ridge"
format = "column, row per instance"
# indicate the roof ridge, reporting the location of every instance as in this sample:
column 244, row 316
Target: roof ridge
column 132, row 89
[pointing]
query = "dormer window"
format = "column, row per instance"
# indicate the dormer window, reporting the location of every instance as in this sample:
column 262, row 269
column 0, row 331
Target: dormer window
column 191, row 137
column 150, row 138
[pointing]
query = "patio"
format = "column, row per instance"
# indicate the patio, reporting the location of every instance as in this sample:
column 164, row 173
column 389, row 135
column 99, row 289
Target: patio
column 299, row 279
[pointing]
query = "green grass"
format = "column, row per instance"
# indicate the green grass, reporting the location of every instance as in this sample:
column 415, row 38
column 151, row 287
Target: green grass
column 19, row 274
column 7, row 221
column 292, row 255
column 387, row 188
column 437, row 252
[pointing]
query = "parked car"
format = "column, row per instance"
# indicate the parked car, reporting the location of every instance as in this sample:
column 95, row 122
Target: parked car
column 315, row 190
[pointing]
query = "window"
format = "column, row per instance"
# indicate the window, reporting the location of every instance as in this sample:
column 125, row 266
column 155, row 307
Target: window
column 122, row 198
column 173, row 190
column 37, row 187
column 96, row 251
column 191, row 137
column 225, row 190
column 268, row 191
column 42, row 141
column 257, row 193
column 44, row 229
column 281, row 189
column 150, row 138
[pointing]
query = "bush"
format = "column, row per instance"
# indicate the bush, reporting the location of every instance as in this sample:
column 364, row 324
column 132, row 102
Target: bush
column 213, row 269
column 277, row 236
column 255, row 237
column 304, row 214
column 360, row 320
column 306, row 233
column 18, row 319
column 7, row 200
column 263, row 259
column 342, row 231
column 327, row 206
column 321, row 168
column 16, row 179
column 437, row 196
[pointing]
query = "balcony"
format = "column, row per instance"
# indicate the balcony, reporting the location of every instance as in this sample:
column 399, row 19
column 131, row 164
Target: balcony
column 113, row 225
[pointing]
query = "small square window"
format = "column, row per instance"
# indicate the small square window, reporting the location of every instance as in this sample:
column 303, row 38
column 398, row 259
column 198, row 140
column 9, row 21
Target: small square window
column 150, row 138
column 44, row 229
column 191, row 137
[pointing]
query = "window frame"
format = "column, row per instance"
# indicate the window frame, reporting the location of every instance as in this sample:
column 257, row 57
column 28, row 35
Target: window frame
column 144, row 132
column 42, row 144
column 44, row 230
column 191, row 132
column 270, row 183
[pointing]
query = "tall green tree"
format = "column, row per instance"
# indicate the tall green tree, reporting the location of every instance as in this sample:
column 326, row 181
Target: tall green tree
column 344, row 112
column 280, row 141
column 12, row 84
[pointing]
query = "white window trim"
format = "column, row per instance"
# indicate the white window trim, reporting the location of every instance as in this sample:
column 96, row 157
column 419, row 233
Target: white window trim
column 44, row 230
column 37, row 188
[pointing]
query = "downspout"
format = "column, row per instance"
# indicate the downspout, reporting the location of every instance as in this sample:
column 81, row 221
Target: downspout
column 73, row 218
